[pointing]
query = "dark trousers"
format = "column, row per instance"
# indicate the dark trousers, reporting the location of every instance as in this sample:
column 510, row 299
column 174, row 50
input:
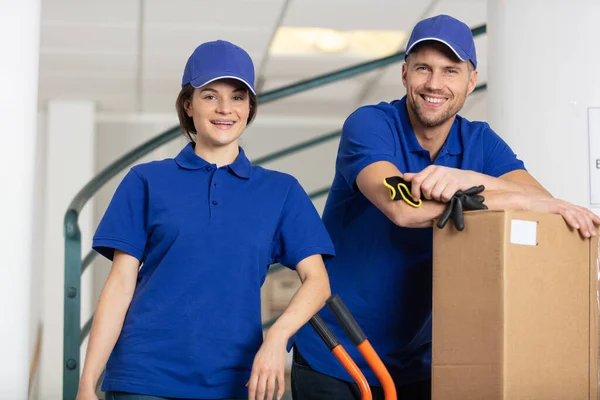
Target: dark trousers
column 308, row 384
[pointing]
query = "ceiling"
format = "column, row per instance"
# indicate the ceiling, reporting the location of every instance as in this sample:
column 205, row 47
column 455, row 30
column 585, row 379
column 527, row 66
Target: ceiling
column 128, row 55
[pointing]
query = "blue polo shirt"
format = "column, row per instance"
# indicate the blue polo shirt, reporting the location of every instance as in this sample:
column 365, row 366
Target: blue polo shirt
column 382, row 271
column 206, row 237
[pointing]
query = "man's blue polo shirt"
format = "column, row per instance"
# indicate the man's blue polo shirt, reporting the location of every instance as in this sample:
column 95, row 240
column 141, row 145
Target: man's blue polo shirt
column 205, row 237
column 381, row 271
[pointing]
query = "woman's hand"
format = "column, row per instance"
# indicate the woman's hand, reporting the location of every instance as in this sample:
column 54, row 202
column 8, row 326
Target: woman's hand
column 269, row 363
column 268, row 368
column 86, row 393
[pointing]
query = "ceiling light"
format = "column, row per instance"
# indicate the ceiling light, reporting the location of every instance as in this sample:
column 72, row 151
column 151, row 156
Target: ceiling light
column 331, row 41
column 301, row 41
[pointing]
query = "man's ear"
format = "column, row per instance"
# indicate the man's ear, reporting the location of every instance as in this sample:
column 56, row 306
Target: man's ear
column 473, row 78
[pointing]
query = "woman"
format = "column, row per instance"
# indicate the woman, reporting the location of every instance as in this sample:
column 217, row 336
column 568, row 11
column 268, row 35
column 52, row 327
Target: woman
column 191, row 239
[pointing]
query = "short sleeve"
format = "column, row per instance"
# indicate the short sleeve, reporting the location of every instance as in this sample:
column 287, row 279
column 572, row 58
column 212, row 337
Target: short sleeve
column 366, row 138
column 498, row 157
column 301, row 232
column 124, row 224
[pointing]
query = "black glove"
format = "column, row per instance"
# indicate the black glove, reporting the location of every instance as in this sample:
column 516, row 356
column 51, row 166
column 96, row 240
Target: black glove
column 462, row 200
column 401, row 190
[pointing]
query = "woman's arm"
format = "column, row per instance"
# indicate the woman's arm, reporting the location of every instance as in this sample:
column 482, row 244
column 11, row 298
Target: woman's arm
column 269, row 363
column 108, row 320
column 309, row 298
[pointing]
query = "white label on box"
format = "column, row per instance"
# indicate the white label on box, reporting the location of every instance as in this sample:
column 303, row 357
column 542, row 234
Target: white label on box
column 523, row 232
column 594, row 132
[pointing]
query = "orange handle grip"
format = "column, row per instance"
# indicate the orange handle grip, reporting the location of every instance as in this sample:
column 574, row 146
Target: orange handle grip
column 354, row 371
column 367, row 351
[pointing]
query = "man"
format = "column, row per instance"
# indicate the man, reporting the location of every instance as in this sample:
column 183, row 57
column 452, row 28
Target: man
column 382, row 270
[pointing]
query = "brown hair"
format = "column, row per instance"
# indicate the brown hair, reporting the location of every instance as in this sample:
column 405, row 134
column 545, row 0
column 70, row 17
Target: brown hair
column 187, row 123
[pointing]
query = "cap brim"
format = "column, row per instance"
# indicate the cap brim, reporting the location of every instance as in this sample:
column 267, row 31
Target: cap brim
column 455, row 49
column 199, row 82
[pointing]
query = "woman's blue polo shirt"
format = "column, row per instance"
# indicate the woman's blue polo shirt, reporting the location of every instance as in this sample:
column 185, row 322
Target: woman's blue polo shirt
column 381, row 271
column 206, row 237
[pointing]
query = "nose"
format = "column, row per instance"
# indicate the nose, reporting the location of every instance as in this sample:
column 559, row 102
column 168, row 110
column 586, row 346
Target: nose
column 224, row 106
column 435, row 82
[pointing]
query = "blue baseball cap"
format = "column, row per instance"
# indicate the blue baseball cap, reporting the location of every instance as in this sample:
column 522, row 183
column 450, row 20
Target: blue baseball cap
column 448, row 30
column 218, row 60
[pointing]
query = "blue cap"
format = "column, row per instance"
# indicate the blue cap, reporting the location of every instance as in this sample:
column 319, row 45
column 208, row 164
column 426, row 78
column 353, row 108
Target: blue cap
column 218, row 60
column 448, row 30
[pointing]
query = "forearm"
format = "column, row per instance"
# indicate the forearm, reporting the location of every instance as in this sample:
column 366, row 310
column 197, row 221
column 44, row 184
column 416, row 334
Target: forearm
column 407, row 216
column 307, row 301
column 504, row 185
column 106, row 328
column 425, row 215
column 505, row 200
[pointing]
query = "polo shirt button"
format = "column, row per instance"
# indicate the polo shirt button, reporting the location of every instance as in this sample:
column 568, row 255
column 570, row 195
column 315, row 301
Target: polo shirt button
column 208, row 168
column 215, row 202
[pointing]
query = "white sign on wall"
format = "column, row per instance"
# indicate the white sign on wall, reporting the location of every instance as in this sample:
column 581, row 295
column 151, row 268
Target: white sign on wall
column 594, row 134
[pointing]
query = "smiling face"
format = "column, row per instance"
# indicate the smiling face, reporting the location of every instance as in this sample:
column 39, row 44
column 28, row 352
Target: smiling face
column 220, row 112
column 437, row 83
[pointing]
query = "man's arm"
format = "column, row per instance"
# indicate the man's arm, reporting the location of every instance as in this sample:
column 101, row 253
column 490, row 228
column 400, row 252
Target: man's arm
column 440, row 183
column 370, row 183
column 519, row 181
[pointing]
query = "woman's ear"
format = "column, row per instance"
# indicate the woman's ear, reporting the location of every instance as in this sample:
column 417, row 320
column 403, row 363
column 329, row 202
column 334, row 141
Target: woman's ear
column 187, row 106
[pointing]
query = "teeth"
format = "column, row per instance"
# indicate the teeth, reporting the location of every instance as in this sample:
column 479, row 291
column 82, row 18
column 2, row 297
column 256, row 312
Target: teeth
column 222, row 123
column 433, row 100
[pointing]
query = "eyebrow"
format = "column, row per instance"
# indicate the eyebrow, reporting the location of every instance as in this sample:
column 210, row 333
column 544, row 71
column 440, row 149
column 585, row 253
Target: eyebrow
column 450, row 66
column 240, row 89
column 421, row 64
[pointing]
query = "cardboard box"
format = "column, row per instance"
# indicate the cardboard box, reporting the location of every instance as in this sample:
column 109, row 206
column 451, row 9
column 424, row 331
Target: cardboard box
column 515, row 309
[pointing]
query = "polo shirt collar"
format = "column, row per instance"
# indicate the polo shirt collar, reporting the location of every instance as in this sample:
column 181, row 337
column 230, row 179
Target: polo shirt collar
column 241, row 166
column 188, row 159
column 453, row 144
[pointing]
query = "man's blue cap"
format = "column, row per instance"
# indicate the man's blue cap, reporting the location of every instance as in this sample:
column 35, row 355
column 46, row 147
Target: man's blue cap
column 448, row 30
column 218, row 60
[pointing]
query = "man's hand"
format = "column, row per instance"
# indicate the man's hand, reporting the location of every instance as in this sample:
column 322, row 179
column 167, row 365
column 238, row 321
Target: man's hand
column 439, row 183
column 469, row 199
column 579, row 218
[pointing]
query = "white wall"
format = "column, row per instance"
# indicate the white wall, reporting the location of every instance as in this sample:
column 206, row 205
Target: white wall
column 19, row 43
column 37, row 270
column 543, row 69
column 69, row 157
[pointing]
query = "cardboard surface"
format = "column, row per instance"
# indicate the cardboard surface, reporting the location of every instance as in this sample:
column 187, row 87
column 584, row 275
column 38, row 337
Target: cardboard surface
column 514, row 309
